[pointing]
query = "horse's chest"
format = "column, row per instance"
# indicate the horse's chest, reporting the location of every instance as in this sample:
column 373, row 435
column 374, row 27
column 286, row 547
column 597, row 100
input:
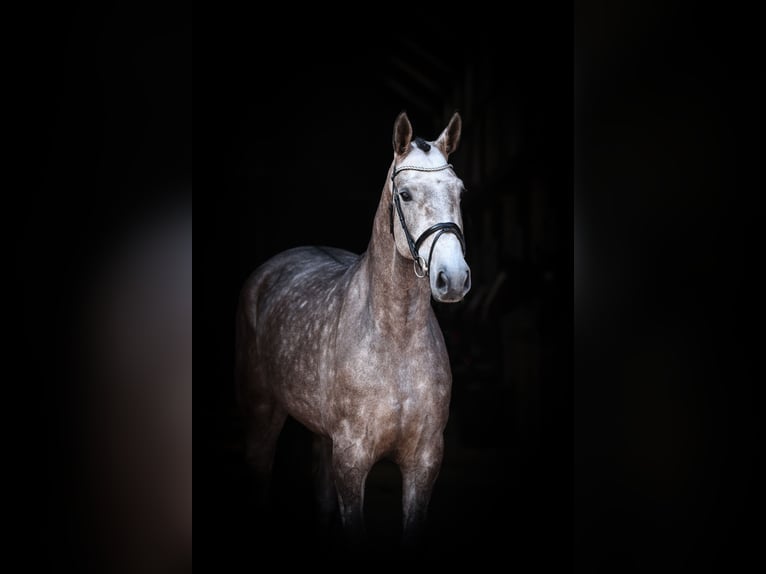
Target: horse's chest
column 402, row 371
column 386, row 398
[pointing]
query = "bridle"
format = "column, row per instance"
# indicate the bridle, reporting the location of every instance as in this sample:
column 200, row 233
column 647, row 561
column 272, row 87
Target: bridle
column 420, row 264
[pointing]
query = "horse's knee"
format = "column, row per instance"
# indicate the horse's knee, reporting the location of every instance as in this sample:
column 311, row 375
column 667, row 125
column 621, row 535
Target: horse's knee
column 349, row 479
column 421, row 470
column 349, row 472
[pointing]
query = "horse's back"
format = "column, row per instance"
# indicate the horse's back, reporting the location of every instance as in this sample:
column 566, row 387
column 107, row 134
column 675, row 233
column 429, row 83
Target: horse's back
column 295, row 270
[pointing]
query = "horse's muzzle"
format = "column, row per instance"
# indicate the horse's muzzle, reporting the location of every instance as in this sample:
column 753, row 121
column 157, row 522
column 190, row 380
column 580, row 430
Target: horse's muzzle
column 451, row 285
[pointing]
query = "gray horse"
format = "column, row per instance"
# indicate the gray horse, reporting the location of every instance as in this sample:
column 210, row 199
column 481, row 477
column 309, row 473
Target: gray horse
column 349, row 345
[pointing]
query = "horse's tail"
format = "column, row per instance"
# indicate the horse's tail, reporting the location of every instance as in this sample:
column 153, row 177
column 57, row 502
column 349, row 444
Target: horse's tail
column 240, row 358
column 245, row 322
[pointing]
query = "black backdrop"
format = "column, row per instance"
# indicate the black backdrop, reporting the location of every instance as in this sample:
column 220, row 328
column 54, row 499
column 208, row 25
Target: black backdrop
column 668, row 106
column 303, row 142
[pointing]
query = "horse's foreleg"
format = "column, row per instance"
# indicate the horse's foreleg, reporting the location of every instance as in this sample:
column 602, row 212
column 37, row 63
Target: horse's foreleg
column 350, row 465
column 418, row 478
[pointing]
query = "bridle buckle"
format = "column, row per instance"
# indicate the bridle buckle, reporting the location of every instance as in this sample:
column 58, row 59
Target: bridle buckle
column 420, row 263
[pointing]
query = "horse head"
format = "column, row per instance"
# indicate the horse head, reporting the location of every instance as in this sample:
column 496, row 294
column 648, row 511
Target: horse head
column 425, row 196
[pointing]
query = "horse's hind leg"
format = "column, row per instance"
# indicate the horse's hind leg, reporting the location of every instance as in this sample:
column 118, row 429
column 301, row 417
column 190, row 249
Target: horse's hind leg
column 264, row 417
column 265, row 421
column 326, row 493
column 327, row 496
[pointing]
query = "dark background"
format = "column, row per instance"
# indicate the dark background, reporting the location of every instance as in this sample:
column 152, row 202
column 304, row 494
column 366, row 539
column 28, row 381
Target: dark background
column 304, row 143
column 666, row 396
column 98, row 145
column 668, row 288
column 100, row 136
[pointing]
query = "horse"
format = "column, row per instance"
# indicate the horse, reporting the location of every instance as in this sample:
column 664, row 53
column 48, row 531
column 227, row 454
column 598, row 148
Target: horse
column 349, row 345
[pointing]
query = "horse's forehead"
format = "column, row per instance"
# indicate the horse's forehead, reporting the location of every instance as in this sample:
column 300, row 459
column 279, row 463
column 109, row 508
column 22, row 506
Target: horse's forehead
column 432, row 158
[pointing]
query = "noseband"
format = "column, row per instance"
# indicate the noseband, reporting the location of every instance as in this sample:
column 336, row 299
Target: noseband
column 420, row 264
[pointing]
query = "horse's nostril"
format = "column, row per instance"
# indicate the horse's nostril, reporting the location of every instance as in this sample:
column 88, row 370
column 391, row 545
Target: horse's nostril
column 467, row 282
column 441, row 281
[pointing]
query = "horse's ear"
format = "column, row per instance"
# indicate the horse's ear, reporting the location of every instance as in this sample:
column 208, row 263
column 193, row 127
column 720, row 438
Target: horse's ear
column 402, row 134
column 450, row 137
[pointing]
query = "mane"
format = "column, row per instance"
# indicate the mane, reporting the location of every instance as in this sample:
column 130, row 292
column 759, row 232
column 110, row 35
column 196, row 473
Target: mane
column 422, row 144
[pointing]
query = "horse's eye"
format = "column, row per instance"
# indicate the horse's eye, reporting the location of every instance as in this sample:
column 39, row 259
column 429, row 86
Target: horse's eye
column 405, row 195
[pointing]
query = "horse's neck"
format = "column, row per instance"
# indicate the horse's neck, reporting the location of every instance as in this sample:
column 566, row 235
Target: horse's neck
column 398, row 299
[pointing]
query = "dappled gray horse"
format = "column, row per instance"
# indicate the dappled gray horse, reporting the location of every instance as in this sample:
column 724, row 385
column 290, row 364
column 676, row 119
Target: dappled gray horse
column 349, row 346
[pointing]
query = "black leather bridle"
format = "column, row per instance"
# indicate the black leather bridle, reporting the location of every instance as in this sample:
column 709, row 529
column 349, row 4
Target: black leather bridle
column 440, row 228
